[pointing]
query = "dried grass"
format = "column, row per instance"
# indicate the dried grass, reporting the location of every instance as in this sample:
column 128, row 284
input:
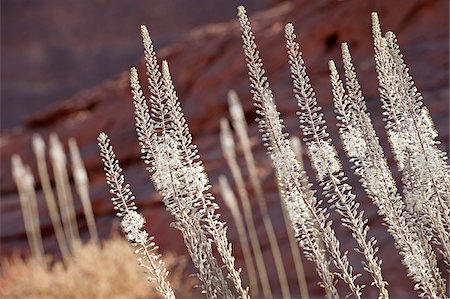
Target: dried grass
column 107, row 271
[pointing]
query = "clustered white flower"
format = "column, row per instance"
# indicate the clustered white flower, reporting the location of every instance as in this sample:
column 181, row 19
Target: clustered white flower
column 299, row 215
column 400, row 145
column 323, row 158
column 271, row 109
column 167, row 160
column 427, row 124
column 286, row 165
column 297, row 207
column 420, row 264
column 405, row 151
column 354, row 143
column 374, row 182
column 132, row 224
column 194, row 177
column 284, row 161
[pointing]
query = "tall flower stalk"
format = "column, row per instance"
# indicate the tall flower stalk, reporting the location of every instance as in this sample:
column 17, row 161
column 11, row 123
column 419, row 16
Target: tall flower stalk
column 327, row 165
column 241, row 129
column 52, row 206
column 310, row 222
column 413, row 138
column 179, row 176
column 132, row 222
column 229, row 152
column 27, row 195
column 82, row 186
column 365, row 152
column 64, row 192
column 158, row 152
column 230, row 200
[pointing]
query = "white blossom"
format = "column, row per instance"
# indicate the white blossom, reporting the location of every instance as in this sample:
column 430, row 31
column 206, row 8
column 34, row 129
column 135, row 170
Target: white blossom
column 284, row 161
column 132, row 221
column 324, row 158
column 167, row 161
column 271, row 128
column 354, row 143
column 400, row 145
column 427, row 123
column 179, row 176
column 195, row 177
column 326, row 163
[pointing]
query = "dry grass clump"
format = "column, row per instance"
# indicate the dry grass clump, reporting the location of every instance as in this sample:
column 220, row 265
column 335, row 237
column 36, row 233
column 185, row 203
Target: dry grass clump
column 107, row 271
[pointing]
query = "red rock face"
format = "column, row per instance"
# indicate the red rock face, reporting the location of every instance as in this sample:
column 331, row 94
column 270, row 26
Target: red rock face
column 57, row 48
column 205, row 64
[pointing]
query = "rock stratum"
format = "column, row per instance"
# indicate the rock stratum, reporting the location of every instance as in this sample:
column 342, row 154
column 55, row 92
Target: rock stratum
column 205, row 65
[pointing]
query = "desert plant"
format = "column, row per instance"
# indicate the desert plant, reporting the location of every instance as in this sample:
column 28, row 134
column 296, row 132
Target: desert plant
column 364, row 150
column 63, row 190
column 82, row 185
column 52, row 206
column 326, row 163
column 309, row 220
column 178, row 174
column 228, row 149
column 411, row 132
column 241, row 130
column 240, row 127
column 27, row 195
column 232, row 204
column 54, row 273
column 65, row 210
column 132, row 222
column 412, row 135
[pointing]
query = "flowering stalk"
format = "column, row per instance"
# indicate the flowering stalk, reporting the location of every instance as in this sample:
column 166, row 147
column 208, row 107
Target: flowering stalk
column 365, row 152
column 27, row 195
column 412, row 135
column 63, row 190
column 39, row 151
column 179, row 176
column 82, row 186
column 132, row 222
column 229, row 152
column 158, row 153
column 197, row 182
column 327, row 165
column 232, row 204
column 310, row 222
column 240, row 126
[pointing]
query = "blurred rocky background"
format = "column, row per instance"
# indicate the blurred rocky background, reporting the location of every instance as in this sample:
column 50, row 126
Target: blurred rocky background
column 64, row 70
column 58, row 48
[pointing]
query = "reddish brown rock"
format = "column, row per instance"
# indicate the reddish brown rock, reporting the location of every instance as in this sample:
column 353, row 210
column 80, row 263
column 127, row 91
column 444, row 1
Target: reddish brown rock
column 58, row 48
column 207, row 63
